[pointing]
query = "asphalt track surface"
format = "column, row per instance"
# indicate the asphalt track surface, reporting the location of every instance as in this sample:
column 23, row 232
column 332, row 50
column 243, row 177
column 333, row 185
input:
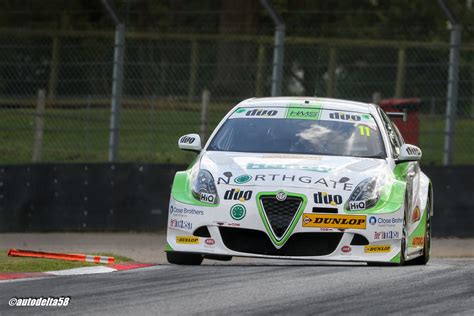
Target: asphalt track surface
column 445, row 286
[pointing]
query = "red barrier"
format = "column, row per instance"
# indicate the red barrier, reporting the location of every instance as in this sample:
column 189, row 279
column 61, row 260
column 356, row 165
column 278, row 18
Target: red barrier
column 60, row 256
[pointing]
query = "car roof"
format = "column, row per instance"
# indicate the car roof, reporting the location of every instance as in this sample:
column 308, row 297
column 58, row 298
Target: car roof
column 328, row 103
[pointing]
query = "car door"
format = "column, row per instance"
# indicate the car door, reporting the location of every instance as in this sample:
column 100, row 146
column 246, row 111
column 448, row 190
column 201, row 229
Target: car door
column 410, row 172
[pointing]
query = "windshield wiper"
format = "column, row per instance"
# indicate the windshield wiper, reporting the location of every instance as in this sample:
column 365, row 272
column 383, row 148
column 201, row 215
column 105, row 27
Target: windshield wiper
column 380, row 155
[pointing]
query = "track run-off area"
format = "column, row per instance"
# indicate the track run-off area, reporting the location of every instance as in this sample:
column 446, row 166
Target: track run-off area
column 444, row 286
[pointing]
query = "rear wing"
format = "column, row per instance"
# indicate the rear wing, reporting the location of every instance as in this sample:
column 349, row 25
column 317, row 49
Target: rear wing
column 403, row 115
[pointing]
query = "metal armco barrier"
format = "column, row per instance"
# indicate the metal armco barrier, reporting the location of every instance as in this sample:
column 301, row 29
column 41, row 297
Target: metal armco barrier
column 134, row 197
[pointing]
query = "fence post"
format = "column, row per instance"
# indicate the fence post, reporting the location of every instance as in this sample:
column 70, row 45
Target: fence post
column 39, row 126
column 260, row 69
column 206, row 97
column 279, row 50
column 53, row 70
column 331, row 84
column 452, row 97
column 400, row 81
column 117, row 81
column 194, row 70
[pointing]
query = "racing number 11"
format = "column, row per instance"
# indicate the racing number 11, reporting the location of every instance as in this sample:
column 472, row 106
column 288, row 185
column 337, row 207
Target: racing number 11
column 364, row 131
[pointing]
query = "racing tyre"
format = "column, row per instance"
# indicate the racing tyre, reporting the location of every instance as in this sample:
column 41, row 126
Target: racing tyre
column 188, row 259
column 403, row 247
column 423, row 259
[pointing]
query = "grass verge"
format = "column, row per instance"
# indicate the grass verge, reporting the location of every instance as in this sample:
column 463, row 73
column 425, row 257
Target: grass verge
column 24, row 264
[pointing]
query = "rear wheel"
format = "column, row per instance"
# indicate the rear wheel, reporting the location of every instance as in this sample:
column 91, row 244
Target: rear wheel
column 423, row 259
column 189, row 259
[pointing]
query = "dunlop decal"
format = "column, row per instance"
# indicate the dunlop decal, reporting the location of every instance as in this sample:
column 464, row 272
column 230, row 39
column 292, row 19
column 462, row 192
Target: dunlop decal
column 377, row 249
column 190, row 240
column 334, row 221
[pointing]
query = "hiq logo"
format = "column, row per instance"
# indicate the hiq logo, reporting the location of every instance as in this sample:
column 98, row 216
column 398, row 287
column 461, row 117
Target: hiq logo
column 372, row 220
column 356, row 205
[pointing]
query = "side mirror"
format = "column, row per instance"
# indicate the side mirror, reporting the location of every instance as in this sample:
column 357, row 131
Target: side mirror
column 191, row 142
column 409, row 153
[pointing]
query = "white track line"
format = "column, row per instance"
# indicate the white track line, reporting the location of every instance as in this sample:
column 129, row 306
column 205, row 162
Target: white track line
column 83, row 270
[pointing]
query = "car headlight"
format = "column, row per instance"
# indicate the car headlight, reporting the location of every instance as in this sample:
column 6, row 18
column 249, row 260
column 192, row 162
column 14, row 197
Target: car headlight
column 365, row 195
column 204, row 188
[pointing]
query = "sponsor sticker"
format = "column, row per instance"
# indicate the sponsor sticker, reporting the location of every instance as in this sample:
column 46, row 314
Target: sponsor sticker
column 187, row 140
column 356, row 205
column 346, row 249
column 189, row 240
column 302, row 113
column 345, row 116
column 416, row 214
column 238, row 212
column 179, row 223
column 238, row 195
column 243, row 179
column 334, row 221
column 209, row 241
column 267, row 112
column 254, row 166
column 207, row 198
column 227, row 224
column 418, row 241
column 328, row 199
column 391, row 234
column 385, row 222
column 377, row 249
column 183, row 211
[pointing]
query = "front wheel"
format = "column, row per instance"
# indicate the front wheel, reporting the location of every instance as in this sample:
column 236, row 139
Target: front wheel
column 180, row 258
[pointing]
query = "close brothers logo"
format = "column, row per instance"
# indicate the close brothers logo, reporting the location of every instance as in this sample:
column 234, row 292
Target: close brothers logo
column 334, row 221
column 381, row 221
column 178, row 211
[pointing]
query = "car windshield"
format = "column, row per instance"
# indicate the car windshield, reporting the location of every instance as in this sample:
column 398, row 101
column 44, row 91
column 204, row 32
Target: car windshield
column 331, row 136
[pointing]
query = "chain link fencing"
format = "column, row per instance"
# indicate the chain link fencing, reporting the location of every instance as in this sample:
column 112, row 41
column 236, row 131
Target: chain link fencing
column 165, row 76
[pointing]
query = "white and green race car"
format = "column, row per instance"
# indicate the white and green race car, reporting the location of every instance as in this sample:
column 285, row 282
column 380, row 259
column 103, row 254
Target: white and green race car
column 301, row 178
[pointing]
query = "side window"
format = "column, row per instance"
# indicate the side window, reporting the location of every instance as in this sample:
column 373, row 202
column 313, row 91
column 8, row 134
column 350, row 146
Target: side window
column 393, row 134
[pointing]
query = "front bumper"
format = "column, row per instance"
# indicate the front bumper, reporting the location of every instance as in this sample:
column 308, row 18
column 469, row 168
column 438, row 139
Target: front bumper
column 379, row 241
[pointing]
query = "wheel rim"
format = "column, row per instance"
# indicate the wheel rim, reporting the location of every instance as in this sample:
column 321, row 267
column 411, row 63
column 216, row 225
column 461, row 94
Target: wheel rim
column 428, row 230
column 403, row 250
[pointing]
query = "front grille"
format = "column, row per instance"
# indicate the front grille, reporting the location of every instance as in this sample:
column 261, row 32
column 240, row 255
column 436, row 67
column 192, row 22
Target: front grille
column 280, row 214
column 299, row 244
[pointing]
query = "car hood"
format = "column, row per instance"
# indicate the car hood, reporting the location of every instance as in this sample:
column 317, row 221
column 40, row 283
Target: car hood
column 286, row 170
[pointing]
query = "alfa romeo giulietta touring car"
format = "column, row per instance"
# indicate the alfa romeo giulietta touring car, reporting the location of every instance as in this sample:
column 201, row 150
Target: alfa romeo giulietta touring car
column 301, row 178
